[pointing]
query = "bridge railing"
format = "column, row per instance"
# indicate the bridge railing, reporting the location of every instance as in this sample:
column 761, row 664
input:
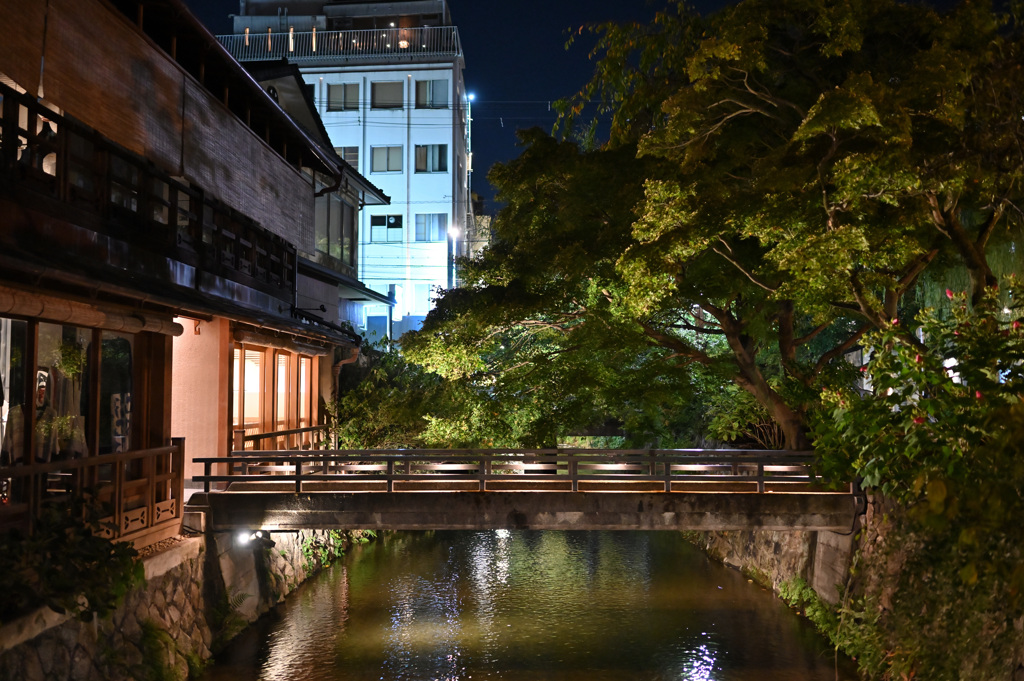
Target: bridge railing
column 648, row 470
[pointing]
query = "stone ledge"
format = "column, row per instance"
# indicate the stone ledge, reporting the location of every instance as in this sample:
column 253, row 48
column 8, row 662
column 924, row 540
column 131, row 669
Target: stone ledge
column 161, row 563
column 27, row 627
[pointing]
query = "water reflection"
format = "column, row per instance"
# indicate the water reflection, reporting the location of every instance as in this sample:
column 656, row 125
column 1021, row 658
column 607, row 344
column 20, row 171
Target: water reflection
column 530, row 605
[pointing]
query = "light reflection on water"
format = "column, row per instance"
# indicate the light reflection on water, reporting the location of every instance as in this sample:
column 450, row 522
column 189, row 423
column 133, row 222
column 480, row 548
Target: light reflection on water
column 524, row 605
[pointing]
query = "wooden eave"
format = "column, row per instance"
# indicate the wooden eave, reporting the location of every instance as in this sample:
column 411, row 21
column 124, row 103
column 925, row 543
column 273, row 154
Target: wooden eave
column 172, row 28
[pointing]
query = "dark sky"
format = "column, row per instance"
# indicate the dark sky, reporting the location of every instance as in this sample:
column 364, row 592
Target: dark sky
column 516, row 62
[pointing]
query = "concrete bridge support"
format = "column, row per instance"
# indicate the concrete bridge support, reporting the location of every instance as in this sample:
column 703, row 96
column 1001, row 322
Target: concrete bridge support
column 284, row 511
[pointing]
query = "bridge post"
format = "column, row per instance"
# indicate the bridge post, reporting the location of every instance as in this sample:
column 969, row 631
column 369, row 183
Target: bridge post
column 574, row 473
column 391, row 475
column 238, row 443
column 760, row 478
column 485, row 470
column 298, row 476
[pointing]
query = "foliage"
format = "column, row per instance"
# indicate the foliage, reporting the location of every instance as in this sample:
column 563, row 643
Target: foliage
column 929, row 618
column 159, row 650
column 798, row 595
column 66, row 565
column 533, row 333
column 737, row 418
column 322, row 551
column 821, row 157
column 937, row 406
column 940, row 433
column 226, row 620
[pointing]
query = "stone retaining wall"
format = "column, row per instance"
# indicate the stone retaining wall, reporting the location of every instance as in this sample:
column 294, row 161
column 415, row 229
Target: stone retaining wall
column 822, row 559
column 199, row 593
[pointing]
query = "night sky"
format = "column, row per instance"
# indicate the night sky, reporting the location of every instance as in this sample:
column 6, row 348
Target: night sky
column 516, row 62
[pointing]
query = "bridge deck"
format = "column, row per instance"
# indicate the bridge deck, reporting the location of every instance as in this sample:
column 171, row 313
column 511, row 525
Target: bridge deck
column 539, row 489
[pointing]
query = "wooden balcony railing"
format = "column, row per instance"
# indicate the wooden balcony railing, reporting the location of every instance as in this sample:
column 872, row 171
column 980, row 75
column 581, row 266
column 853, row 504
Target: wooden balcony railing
column 144, row 490
column 575, row 470
column 96, row 182
column 425, row 43
column 312, row 437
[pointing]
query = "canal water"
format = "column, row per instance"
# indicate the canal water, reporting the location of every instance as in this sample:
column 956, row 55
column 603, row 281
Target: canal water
column 530, row 605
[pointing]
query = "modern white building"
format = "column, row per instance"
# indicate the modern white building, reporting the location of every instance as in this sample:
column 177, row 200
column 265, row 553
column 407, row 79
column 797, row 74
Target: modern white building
column 387, row 79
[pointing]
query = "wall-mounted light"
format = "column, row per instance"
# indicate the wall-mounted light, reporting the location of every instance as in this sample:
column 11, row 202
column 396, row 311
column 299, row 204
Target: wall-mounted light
column 254, row 538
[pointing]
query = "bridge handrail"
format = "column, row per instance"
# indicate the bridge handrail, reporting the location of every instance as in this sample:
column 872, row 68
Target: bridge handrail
column 663, row 466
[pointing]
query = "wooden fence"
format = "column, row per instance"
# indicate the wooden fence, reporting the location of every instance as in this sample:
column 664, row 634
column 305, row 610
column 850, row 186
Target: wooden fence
column 144, row 490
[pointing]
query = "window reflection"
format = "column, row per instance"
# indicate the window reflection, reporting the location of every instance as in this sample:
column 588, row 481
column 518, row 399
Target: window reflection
column 61, row 392
column 115, row 427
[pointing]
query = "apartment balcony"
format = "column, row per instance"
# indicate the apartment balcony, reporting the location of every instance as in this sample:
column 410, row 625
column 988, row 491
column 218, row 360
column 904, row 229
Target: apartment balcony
column 406, row 45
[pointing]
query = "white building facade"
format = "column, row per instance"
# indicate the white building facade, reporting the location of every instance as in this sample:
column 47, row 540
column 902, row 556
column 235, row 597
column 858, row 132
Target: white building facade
column 387, row 79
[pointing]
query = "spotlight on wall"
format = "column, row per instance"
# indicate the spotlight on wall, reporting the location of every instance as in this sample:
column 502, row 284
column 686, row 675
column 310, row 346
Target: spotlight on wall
column 256, row 538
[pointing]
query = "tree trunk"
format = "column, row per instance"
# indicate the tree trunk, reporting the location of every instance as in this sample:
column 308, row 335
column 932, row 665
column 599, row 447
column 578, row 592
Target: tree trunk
column 750, row 378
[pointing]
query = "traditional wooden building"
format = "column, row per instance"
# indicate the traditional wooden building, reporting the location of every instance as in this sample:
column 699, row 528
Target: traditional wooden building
column 157, row 207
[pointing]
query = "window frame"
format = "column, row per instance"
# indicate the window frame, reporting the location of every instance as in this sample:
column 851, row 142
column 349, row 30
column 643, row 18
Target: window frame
column 378, row 98
column 429, row 98
column 427, row 223
column 431, row 158
column 393, row 227
column 347, row 102
column 393, row 152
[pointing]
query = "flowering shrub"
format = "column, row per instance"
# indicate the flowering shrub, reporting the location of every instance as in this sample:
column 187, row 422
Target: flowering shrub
column 942, row 434
column 939, row 395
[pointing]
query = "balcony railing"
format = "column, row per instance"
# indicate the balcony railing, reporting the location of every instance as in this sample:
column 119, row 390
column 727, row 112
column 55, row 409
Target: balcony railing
column 123, row 196
column 143, row 489
column 392, row 44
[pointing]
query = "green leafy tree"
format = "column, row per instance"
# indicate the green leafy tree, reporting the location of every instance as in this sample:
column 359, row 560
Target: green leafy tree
column 816, row 158
column 534, row 328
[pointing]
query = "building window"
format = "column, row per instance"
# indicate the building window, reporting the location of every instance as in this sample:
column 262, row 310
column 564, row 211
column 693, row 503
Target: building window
column 385, row 228
column 349, row 155
column 273, row 390
column 386, row 159
column 431, row 158
column 431, row 226
column 387, row 95
column 432, row 94
column 75, row 415
column 342, row 96
column 335, row 226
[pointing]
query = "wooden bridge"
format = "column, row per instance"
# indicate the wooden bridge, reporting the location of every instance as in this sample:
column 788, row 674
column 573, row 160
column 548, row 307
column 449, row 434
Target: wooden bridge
column 519, row 488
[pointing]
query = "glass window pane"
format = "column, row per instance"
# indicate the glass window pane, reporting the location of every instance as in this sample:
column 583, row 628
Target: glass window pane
column 386, row 95
column 348, row 231
column 334, row 227
column 13, row 376
column 439, row 94
column 116, row 373
column 321, row 206
column 283, row 389
column 252, row 399
column 305, row 367
column 62, row 392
